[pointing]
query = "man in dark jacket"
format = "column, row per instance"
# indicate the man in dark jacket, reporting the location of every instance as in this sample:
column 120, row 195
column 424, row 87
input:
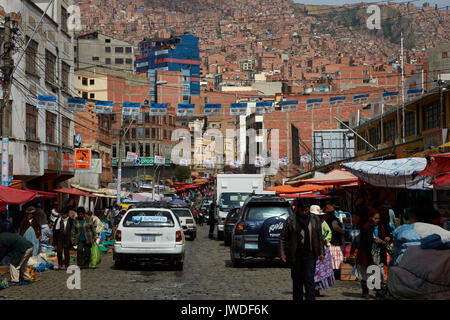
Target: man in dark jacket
column 301, row 245
column 83, row 236
column 62, row 236
column 19, row 250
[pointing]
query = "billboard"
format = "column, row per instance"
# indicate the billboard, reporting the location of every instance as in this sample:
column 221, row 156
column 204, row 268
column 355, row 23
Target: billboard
column 82, row 159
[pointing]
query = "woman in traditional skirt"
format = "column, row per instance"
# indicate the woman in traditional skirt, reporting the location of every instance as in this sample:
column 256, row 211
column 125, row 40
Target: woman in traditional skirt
column 324, row 275
column 372, row 250
column 337, row 240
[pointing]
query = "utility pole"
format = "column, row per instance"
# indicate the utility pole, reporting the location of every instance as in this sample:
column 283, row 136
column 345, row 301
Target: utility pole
column 403, row 90
column 7, row 65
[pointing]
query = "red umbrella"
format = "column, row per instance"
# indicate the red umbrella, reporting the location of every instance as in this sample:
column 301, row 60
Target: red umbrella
column 15, row 196
column 442, row 182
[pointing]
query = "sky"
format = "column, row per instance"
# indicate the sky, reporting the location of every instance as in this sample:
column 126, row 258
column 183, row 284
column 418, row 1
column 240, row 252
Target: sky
column 440, row 3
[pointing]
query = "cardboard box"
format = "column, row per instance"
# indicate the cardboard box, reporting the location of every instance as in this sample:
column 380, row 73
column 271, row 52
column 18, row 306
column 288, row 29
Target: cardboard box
column 346, row 269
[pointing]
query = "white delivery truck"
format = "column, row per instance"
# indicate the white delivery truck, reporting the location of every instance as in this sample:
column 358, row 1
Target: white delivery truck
column 231, row 191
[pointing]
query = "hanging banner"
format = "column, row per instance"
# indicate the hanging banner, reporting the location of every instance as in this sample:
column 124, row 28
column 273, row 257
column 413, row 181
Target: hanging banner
column 82, row 159
column 264, row 107
column 132, row 156
column 313, row 103
column 326, row 155
column 76, row 104
column 414, row 93
column 289, row 106
column 260, row 162
column 103, row 107
column 185, row 110
column 158, row 109
column 235, row 163
column 361, row 98
column 305, row 158
column 47, row 103
column 212, row 109
column 160, row 160
column 185, row 162
column 337, row 101
column 131, row 108
column 283, row 161
column 390, row 97
column 238, row 109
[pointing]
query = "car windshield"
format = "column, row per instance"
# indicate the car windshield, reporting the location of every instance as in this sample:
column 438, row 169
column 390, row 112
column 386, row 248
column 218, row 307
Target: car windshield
column 151, row 218
column 182, row 213
column 232, row 200
column 265, row 212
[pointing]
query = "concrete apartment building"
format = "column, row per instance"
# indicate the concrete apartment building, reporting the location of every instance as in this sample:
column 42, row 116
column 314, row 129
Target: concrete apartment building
column 96, row 49
column 41, row 150
column 438, row 64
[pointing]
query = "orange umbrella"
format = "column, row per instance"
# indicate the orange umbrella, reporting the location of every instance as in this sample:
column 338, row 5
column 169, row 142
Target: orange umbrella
column 304, row 188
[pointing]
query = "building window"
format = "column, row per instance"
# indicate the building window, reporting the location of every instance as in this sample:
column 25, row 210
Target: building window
column 107, row 49
column 91, row 82
column 95, row 58
column 389, row 130
column 133, row 148
column 444, row 55
column 50, row 63
column 107, row 60
column 64, row 18
column 147, row 117
column 153, row 133
column 118, row 61
column 114, row 151
column 31, row 57
column 65, row 71
column 153, row 119
column 431, row 116
column 31, row 121
column 65, row 124
column 374, row 136
column 128, row 50
column 165, row 134
column 140, row 118
column 50, row 126
column 140, row 133
column 147, row 133
column 133, row 133
column 107, row 40
column 85, row 95
column 410, row 124
column 147, row 150
column 165, row 119
column 84, row 81
column 119, row 49
column 128, row 61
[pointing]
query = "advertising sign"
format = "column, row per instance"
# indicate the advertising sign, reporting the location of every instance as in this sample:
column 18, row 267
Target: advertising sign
column 185, row 110
column 238, row 109
column 361, row 98
column 289, row 106
column 103, row 107
column 313, row 103
column 337, row 101
column 212, row 109
column 131, row 108
column 76, row 104
column 158, row 109
column 264, row 107
column 82, row 159
column 47, row 103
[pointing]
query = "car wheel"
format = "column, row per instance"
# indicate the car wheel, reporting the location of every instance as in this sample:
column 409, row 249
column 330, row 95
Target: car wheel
column 179, row 266
column 237, row 263
column 194, row 235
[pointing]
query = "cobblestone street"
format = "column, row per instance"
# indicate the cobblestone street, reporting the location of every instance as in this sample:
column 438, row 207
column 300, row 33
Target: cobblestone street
column 207, row 275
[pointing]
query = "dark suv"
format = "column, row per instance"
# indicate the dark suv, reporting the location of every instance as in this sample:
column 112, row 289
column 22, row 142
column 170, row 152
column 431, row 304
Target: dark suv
column 258, row 228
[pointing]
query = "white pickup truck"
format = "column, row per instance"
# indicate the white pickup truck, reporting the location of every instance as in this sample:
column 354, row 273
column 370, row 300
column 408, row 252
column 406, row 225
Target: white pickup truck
column 231, row 191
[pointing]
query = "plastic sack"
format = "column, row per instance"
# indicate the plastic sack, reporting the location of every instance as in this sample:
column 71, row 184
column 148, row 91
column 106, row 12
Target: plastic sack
column 96, row 256
column 103, row 249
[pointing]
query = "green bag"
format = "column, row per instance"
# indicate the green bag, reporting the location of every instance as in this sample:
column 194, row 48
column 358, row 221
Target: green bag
column 96, row 256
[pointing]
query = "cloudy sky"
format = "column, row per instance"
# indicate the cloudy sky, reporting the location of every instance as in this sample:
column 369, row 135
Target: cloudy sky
column 440, row 3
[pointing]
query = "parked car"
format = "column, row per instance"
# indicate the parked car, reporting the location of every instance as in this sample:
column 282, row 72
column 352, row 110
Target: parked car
column 230, row 223
column 187, row 221
column 258, row 228
column 148, row 234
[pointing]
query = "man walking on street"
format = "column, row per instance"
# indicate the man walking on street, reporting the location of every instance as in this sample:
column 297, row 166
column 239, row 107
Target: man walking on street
column 62, row 233
column 19, row 250
column 212, row 220
column 301, row 246
column 83, row 236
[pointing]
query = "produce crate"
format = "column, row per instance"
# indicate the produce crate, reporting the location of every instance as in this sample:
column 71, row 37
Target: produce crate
column 346, row 269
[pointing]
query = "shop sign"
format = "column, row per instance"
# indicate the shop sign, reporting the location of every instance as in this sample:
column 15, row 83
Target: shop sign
column 82, row 159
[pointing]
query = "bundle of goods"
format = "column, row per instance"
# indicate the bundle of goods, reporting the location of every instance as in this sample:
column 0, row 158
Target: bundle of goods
column 421, row 274
column 412, row 234
column 39, row 263
column 106, row 246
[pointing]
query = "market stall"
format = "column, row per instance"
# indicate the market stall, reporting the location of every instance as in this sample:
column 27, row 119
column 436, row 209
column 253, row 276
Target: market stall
column 15, row 196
